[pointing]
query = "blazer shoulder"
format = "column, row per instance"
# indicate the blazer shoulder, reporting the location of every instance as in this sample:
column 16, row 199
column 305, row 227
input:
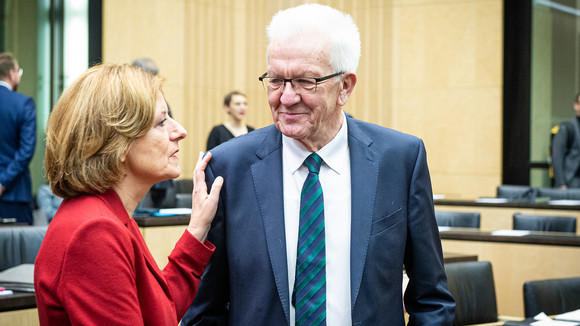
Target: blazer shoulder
column 377, row 135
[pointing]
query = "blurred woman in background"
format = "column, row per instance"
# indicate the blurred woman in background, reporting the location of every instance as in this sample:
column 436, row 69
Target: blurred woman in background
column 236, row 105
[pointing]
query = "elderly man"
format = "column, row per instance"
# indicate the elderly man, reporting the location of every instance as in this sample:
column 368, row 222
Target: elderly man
column 17, row 141
column 320, row 213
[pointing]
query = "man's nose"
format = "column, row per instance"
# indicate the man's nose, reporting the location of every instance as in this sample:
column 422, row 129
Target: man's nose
column 289, row 94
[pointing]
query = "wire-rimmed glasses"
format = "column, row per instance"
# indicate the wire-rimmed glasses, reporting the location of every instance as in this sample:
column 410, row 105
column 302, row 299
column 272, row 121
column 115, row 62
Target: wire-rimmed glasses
column 272, row 84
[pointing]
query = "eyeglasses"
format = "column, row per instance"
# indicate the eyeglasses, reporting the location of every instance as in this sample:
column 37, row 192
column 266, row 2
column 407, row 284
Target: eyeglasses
column 20, row 72
column 272, row 84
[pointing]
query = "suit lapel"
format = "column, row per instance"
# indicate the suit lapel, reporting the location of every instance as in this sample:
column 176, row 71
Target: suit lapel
column 364, row 178
column 267, row 176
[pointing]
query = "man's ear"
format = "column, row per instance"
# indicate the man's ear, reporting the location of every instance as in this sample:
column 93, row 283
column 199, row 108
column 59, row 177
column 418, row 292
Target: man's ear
column 347, row 86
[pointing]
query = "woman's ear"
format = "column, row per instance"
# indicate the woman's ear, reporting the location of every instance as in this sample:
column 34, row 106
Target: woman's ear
column 347, row 86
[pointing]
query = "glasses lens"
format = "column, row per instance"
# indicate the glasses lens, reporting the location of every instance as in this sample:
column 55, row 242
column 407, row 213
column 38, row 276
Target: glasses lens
column 20, row 72
column 274, row 83
column 305, row 83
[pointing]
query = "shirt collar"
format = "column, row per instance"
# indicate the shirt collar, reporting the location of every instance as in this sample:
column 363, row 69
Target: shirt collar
column 332, row 154
column 5, row 84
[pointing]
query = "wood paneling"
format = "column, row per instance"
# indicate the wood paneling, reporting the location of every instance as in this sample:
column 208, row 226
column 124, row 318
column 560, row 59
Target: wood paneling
column 432, row 68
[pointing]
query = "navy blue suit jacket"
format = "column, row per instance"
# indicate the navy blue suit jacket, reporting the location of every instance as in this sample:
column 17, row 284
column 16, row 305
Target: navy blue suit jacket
column 17, row 141
column 393, row 225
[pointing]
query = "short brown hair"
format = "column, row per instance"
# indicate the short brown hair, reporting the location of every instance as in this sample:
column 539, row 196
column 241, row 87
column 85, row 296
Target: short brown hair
column 7, row 64
column 93, row 125
column 228, row 97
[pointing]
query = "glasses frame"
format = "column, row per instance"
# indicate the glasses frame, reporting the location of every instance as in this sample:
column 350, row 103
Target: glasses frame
column 289, row 80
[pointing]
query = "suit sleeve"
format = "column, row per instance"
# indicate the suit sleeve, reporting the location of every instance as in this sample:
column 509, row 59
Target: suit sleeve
column 427, row 298
column 210, row 306
column 559, row 148
column 27, row 141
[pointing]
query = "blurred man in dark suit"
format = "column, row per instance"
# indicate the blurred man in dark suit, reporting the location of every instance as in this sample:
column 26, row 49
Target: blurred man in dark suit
column 18, row 138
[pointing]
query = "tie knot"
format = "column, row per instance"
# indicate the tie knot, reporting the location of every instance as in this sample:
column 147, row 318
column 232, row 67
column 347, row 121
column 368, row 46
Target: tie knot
column 313, row 163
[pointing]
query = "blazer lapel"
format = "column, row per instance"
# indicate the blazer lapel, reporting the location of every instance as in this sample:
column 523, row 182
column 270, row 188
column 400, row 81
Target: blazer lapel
column 268, row 179
column 364, row 178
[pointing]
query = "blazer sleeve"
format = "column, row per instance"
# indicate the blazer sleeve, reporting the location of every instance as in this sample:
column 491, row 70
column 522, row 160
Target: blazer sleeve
column 27, row 142
column 427, row 298
column 210, row 306
column 102, row 290
column 183, row 272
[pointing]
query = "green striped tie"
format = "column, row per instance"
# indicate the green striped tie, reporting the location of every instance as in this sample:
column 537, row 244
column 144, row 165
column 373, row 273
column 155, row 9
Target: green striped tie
column 309, row 295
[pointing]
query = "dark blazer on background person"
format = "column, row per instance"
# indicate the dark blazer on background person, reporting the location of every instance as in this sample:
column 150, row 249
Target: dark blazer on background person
column 220, row 134
column 566, row 154
column 393, row 225
column 17, row 143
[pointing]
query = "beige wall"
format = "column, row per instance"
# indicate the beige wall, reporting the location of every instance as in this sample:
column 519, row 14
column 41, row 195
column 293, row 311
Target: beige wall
column 432, row 68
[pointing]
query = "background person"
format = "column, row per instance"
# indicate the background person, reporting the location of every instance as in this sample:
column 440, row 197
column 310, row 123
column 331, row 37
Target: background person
column 108, row 140
column 366, row 210
column 566, row 151
column 235, row 104
column 17, row 142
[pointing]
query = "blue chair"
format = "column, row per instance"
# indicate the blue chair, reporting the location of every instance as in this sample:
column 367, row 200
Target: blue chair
column 458, row 219
column 553, row 296
column 544, row 223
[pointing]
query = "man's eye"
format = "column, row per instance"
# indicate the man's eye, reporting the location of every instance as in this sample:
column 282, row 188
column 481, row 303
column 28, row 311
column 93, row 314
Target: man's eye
column 276, row 81
column 306, row 83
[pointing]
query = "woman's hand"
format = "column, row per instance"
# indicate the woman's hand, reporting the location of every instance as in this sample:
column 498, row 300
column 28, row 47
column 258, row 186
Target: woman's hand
column 204, row 205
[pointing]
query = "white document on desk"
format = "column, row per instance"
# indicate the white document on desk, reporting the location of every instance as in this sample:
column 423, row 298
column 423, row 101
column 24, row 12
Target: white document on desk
column 511, row 233
column 572, row 315
column 543, row 320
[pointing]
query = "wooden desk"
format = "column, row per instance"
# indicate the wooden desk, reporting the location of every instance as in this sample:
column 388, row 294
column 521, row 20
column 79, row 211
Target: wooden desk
column 18, row 309
column 497, row 216
column 452, row 257
column 540, row 255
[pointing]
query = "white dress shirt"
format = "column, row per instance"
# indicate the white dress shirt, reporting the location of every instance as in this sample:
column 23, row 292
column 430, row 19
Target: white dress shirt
column 5, row 84
column 334, row 177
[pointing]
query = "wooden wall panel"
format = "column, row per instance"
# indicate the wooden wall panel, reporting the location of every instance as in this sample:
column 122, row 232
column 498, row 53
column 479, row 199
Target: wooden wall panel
column 432, row 68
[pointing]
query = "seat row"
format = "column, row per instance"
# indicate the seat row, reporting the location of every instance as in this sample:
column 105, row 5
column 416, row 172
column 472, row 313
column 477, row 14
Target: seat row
column 472, row 285
column 527, row 192
column 520, row 221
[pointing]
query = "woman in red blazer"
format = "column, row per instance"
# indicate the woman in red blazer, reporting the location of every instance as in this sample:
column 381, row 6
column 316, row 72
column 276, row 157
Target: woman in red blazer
column 108, row 140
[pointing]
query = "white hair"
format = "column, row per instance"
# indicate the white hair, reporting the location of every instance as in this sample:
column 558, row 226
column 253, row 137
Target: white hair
column 332, row 25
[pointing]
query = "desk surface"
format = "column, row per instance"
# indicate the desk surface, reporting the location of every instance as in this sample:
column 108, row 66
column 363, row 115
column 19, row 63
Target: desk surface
column 538, row 238
column 148, row 220
column 474, row 203
column 18, row 300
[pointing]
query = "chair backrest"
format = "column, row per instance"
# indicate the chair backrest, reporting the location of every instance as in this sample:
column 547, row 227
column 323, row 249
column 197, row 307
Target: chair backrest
column 553, row 193
column 544, row 223
column 184, row 186
column 512, row 191
column 472, row 286
column 19, row 245
column 554, row 296
column 458, row 219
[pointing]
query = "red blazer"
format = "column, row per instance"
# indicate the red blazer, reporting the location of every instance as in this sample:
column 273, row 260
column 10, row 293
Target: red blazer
column 93, row 268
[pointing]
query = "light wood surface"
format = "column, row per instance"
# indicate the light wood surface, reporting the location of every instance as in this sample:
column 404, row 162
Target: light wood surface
column 24, row 317
column 161, row 240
